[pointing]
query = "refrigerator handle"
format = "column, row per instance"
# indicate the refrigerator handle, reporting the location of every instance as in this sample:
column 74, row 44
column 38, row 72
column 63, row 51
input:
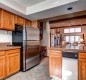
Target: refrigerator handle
column 24, row 48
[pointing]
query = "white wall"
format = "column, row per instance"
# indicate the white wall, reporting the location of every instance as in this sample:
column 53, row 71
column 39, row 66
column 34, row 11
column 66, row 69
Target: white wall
column 5, row 36
column 46, row 35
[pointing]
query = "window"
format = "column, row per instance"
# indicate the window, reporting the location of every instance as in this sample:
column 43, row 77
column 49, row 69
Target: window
column 72, row 39
column 78, row 29
column 67, row 38
column 69, row 35
column 72, row 30
column 66, row 30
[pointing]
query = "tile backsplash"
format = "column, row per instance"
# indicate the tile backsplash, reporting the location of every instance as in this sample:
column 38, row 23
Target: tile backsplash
column 5, row 36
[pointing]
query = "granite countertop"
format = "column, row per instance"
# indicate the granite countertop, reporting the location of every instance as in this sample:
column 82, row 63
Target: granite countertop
column 3, row 48
column 80, row 48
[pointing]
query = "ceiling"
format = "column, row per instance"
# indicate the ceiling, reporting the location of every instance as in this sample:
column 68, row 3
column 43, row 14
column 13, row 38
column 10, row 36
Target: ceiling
column 28, row 3
column 41, row 9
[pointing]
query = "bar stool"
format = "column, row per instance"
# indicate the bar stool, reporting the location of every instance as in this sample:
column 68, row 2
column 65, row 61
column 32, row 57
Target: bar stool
column 43, row 52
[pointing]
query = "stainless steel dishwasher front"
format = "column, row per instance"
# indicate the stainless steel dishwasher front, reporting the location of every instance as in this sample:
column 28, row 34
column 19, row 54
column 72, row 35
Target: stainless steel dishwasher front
column 69, row 69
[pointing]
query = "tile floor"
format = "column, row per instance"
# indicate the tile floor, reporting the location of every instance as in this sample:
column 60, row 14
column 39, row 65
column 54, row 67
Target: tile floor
column 40, row 72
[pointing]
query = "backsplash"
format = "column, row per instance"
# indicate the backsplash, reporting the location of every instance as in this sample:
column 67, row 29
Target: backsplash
column 5, row 36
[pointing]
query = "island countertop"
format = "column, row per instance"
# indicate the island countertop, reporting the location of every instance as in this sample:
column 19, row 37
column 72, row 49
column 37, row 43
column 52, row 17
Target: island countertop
column 79, row 48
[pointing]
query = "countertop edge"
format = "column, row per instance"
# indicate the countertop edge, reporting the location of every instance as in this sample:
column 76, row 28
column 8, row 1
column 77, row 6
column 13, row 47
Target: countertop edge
column 61, row 49
column 9, row 48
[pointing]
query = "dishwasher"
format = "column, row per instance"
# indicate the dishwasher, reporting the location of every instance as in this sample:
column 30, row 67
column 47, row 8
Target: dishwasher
column 70, row 65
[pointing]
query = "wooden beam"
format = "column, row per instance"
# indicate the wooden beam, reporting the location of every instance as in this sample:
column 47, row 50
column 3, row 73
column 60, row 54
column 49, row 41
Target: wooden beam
column 71, row 15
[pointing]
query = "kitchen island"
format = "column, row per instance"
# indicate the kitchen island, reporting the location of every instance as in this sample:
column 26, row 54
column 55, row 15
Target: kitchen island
column 77, row 54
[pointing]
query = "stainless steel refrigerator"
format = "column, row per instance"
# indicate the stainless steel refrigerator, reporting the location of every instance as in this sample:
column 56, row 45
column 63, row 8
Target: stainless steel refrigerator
column 28, row 39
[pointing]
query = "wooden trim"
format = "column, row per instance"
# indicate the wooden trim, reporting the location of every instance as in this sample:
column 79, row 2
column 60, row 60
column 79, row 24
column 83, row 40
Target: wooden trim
column 66, row 16
column 67, row 26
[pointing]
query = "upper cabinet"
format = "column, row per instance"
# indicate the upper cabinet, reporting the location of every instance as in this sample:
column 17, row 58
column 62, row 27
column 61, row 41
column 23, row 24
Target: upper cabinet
column 19, row 20
column 35, row 24
column 6, row 20
column 28, row 23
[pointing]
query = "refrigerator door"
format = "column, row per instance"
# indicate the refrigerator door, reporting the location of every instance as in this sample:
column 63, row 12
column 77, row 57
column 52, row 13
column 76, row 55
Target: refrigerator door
column 32, row 33
column 32, row 54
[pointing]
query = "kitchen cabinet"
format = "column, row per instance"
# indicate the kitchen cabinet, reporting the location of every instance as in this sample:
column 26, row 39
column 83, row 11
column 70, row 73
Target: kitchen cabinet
column 2, row 64
column 28, row 23
column 35, row 24
column 55, row 64
column 9, row 62
column 82, row 66
column 6, row 20
column 19, row 20
column 12, row 61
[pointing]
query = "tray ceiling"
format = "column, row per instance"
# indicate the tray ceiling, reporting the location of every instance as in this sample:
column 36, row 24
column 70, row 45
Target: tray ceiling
column 42, row 9
column 28, row 3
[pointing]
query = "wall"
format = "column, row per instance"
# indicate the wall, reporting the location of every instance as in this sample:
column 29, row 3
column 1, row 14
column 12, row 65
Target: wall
column 46, row 35
column 83, row 32
column 69, row 22
column 5, row 36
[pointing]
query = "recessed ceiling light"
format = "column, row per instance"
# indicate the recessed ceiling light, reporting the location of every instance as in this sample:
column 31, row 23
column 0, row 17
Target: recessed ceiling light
column 56, row 2
column 69, row 8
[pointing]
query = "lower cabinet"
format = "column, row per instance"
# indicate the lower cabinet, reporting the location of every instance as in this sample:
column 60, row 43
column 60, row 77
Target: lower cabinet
column 82, row 66
column 9, row 62
column 55, row 64
column 2, row 65
column 13, row 61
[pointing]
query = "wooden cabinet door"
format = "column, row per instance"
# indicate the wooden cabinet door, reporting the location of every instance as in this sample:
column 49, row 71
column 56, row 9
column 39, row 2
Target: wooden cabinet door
column 8, row 20
column 35, row 24
column 55, row 64
column 82, row 66
column 82, row 69
column 19, row 20
column 2, row 65
column 28, row 23
column 13, row 62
